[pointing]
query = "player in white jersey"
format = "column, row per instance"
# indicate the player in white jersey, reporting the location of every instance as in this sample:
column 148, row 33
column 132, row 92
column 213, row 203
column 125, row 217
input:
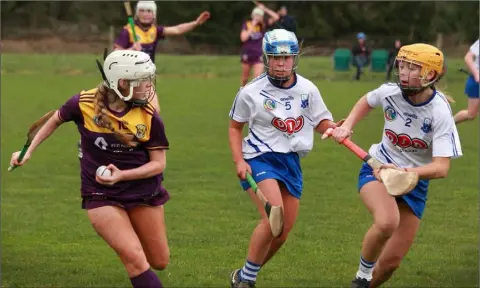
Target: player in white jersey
column 419, row 135
column 472, row 59
column 282, row 109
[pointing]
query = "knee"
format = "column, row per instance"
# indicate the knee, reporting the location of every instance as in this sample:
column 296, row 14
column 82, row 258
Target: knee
column 160, row 264
column 387, row 225
column 135, row 260
column 282, row 238
column 160, row 260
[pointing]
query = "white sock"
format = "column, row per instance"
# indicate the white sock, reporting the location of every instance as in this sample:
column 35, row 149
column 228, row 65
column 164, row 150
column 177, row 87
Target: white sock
column 249, row 271
column 365, row 269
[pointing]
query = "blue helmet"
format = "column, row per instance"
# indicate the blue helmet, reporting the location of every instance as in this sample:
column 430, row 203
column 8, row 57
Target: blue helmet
column 280, row 42
column 361, row 35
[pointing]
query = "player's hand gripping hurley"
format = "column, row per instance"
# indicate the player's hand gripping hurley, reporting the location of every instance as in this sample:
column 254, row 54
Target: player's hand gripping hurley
column 32, row 131
column 397, row 182
column 274, row 213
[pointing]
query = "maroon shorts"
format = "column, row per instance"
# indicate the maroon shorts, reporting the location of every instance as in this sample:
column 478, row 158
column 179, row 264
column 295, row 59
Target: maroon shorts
column 250, row 59
column 96, row 201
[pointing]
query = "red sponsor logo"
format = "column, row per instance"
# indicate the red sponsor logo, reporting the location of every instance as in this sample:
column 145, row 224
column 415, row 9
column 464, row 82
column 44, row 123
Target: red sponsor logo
column 405, row 141
column 289, row 125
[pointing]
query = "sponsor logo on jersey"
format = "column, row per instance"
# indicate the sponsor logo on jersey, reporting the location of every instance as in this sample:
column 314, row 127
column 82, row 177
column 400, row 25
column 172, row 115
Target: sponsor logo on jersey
column 289, row 125
column 404, row 141
column 410, row 115
column 390, row 113
column 287, row 99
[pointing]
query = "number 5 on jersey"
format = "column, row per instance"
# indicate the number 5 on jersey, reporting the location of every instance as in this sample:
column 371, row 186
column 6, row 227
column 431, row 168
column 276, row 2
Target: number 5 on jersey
column 288, row 106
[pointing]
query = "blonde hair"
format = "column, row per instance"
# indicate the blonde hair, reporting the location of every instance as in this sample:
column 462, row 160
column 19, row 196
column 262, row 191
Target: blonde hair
column 444, row 88
column 103, row 119
column 447, row 95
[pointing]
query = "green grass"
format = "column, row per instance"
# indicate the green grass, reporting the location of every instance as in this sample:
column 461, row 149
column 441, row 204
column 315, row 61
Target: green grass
column 47, row 240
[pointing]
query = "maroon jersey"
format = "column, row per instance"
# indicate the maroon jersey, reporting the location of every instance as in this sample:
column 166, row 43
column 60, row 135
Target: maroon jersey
column 252, row 48
column 148, row 38
column 101, row 147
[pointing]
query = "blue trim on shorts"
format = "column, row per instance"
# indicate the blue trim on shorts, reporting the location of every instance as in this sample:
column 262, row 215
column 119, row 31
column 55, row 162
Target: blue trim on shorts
column 416, row 199
column 472, row 88
column 284, row 167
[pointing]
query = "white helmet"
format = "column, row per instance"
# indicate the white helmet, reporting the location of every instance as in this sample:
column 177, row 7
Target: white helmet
column 131, row 65
column 147, row 5
column 258, row 11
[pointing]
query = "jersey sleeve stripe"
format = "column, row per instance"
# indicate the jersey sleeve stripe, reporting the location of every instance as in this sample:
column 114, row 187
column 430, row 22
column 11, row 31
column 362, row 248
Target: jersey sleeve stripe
column 158, row 147
column 60, row 116
column 258, row 139
column 455, row 152
column 253, row 145
column 234, row 104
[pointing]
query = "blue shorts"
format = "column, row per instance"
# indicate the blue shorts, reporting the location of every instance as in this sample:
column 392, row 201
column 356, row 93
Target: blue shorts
column 284, row 167
column 416, row 199
column 471, row 88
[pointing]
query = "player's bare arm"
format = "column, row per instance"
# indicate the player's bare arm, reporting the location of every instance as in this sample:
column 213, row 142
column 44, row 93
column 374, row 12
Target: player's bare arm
column 50, row 126
column 470, row 61
column 435, row 170
column 245, row 34
column 274, row 17
column 235, row 140
column 359, row 111
column 324, row 125
column 157, row 164
column 186, row 27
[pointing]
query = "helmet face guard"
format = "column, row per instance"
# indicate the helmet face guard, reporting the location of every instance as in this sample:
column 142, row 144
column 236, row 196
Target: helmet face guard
column 280, row 43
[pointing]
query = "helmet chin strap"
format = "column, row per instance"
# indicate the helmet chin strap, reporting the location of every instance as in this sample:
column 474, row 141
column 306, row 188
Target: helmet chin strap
column 127, row 98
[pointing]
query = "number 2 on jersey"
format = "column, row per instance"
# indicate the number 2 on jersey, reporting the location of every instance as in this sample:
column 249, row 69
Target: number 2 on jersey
column 408, row 121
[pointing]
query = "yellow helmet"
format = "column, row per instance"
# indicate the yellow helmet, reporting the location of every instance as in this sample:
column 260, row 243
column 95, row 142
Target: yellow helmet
column 429, row 57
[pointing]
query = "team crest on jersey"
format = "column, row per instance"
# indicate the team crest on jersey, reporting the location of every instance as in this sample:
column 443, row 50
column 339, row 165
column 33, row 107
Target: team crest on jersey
column 141, row 130
column 390, row 114
column 289, row 125
column 95, row 120
column 269, row 104
column 304, row 99
column 427, row 125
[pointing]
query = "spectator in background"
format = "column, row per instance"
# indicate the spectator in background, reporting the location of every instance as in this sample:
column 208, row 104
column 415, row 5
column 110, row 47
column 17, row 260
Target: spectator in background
column 286, row 21
column 361, row 54
column 391, row 57
column 251, row 37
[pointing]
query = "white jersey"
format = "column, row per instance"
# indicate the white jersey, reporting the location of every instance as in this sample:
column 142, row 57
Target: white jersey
column 475, row 50
column 413, row 134
column 279, row 120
